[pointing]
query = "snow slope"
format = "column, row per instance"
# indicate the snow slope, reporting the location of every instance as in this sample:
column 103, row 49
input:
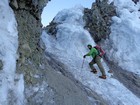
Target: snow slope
column 69, row 46
column 125, row 36
column 11, row 91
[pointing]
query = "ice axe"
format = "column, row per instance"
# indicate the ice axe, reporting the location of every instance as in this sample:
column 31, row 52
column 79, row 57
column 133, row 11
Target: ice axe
column 83, row 62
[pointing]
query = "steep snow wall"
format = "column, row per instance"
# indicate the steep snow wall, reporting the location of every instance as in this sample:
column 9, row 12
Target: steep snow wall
column 122, row 46
column 11, row 84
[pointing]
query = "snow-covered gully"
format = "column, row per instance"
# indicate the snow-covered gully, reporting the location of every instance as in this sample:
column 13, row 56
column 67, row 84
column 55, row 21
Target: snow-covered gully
column 69, row 46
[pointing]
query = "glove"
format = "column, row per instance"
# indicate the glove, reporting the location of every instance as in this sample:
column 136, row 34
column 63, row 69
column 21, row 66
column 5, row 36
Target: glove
column 84, row 56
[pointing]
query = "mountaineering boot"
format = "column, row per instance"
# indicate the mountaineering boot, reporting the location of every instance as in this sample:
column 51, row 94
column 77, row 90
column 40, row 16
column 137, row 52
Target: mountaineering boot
column 94, row 71
column 103, row 76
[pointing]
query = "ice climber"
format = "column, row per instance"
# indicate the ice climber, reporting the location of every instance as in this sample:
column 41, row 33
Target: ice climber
column 94, row 52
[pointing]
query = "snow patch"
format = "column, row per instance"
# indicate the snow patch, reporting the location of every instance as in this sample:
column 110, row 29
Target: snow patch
column 9, row 88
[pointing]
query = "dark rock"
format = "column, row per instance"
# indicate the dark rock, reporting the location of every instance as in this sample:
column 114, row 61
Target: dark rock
column 13, row 4
column 135, row 1
column 1, row 65
column 98, row 19
column 51, row 28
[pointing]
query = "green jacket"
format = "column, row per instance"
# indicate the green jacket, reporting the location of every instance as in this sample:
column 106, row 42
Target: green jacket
column 93, row 52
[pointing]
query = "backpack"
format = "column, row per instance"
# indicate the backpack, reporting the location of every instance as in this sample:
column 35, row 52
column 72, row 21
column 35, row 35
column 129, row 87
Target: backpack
column 101, row 52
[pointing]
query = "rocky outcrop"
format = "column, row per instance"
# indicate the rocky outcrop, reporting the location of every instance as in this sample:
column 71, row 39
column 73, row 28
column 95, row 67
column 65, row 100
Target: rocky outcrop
column 34, row 7
column 135, row 1
column 28, row 16
column 98, row 19
column 51, row 28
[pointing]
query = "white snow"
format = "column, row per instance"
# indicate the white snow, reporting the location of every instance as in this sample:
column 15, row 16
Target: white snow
column 9, row 88
column 69, row 46
column 125, row 36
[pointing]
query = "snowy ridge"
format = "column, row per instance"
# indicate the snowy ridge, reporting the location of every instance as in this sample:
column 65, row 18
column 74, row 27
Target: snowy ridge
column 11, row 85
column 69, row 46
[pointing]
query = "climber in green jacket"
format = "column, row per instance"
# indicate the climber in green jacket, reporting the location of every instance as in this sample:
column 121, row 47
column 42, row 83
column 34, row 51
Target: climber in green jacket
column 96, row 59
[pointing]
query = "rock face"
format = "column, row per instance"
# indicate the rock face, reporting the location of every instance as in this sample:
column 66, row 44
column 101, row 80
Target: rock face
column 51, row 28
column 135, row 1
column 46, row 82
column 28, row 13
column 98, row 19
